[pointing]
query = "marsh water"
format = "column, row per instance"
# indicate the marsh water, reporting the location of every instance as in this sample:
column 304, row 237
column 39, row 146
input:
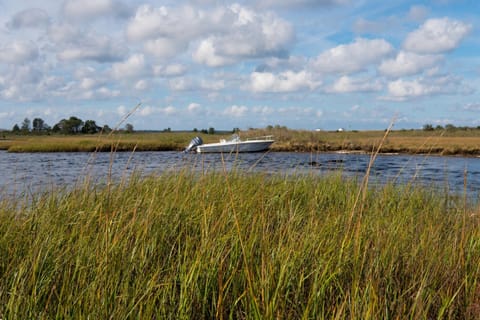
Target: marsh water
column 32, row 172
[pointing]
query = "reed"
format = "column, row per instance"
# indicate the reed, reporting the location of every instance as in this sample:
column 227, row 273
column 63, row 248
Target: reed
column 242, row 246
column 413, row 142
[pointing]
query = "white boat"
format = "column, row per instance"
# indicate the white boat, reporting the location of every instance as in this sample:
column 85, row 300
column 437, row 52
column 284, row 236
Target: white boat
column 233, row 145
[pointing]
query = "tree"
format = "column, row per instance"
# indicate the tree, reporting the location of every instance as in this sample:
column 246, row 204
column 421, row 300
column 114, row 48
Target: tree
column 25, row 128
column 71, row 126
column 106, row 129
column 90, row 127
column 75, row 124
column 211, row 130
column 129, row 128
column 16, row 129
column 450, row 127
column 427, row 127
column 38, row 125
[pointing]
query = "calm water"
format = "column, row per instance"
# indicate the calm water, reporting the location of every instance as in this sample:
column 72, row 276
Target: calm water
column 31, row 172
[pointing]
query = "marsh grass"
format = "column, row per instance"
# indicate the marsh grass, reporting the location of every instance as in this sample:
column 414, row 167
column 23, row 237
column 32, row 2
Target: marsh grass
column 242, row 246
column 413, row 142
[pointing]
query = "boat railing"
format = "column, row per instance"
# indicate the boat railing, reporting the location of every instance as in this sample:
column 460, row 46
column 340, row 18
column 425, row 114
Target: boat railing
column 269, row 137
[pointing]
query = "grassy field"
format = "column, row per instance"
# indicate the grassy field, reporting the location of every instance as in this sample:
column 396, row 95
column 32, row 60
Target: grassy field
column 187, row 245
column 457, row 142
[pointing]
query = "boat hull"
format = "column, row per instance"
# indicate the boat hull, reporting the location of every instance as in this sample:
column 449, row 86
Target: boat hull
column 234, row 147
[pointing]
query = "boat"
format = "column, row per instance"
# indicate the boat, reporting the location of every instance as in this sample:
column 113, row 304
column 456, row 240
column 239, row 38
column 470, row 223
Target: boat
column 234, row 144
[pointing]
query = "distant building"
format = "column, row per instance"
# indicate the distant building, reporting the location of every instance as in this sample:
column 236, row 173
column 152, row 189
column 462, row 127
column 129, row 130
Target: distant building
column 340, row 130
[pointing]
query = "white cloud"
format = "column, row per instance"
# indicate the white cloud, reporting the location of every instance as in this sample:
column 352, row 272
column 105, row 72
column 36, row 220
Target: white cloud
column 437, row 36
column 473, row 107
column 235, row 111
column 150, row 111
column 172, row 70
column 88, row 83
column 122, row 111
column 353, row 57
column 194, row 108
column 207, row 54
column 222, row 35
column 408, row 63
column 180, row 84
column 401, row 90
column 29, row 18
column 287, row 81
column 73, row 44
column 347, row 84
column 133, row 67
column 214, row 85
column 264, row 111
column 249, row 35
column 141, row 85
column 87, row 9
column 19, row 52
column 417, row 12
column 299, row 3
column 165, row 48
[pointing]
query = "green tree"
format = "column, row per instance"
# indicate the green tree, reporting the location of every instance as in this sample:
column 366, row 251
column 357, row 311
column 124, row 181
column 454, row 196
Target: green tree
column 427, row 127
column 211, row 130
column 38, row 125
column 450, row 127
column 25, row 128
column 16, row 129
column 90, row 127
column 106, row 129
column 129, row 128
column 71, row 126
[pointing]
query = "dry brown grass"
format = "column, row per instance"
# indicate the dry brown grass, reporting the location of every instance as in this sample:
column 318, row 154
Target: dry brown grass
column 414, row 142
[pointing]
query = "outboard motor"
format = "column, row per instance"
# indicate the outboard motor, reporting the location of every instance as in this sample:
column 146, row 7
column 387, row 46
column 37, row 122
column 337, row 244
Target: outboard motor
column 193, row 144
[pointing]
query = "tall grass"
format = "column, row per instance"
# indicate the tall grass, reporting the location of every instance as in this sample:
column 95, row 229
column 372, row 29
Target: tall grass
column 414, row 142
column 228, row 245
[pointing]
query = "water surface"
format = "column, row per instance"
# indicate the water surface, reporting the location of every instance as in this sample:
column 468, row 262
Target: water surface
column 30, row 172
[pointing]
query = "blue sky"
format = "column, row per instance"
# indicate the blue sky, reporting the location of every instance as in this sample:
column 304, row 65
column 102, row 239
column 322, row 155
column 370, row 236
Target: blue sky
column 304, row 64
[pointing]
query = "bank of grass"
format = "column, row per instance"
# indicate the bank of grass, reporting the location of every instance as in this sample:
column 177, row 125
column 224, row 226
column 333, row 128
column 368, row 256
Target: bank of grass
column 186, row 245
column 458, row 142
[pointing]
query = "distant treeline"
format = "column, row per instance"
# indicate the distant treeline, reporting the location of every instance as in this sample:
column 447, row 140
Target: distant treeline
column 448, row 127
column 72, row 125
column 75, row 125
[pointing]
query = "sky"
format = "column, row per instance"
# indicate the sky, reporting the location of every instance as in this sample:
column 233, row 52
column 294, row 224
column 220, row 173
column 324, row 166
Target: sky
column 303, row 64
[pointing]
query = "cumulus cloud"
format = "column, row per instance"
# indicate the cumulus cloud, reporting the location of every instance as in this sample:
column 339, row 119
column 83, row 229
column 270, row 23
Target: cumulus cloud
column 87, row 9
column 401, row 90
column 299, row 3
column 73, row 44
column 30, row 18
column 235, row 111
column 353, row 57
column 171, row 70
column 194, row 108
column 437, row 36
column 263, row 110
column 287, row 81
column 347, row 84
column 133, row 67
column 408, row 63
column 19, row 52
column 221, row 36
column 249, row 35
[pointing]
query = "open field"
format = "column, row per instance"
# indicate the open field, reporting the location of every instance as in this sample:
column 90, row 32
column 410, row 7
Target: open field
column 226, row 245
column 458, row 142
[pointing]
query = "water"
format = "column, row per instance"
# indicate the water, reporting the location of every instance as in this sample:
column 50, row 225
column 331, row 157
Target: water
column 31, row 172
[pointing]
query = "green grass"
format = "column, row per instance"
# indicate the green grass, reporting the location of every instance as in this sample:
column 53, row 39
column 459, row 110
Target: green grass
column 186, row 245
